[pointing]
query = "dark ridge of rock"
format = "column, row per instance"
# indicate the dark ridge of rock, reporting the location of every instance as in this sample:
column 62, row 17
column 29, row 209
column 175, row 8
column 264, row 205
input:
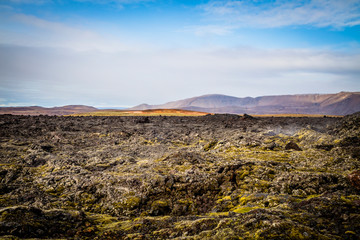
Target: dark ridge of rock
column 143, row 120
column 326, row 147
column 222, row 117
column 247, row 116
column 33, row 222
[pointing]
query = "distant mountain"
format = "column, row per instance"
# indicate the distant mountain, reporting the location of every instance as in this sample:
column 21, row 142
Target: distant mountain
column 330, row 104
column 36, row 110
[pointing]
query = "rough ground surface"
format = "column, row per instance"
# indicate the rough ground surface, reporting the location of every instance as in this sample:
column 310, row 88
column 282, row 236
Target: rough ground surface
column 209, row 177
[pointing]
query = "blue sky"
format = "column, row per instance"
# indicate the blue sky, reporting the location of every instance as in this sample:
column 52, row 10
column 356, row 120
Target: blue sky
column 128, row 52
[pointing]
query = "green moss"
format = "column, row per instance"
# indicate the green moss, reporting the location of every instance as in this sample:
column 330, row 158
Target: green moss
column 228, row 234
column 55, row 191
column 86, row 198
column 6, row 201
column 128, row 204
column 185, row 201
column 226, row 198
column 183, row 168
column 128, row 226
column 160, row 203
column 350, row 199
column 250, row 199
column 240, row 209
column 242, row 174
column 105, row 222
column 132, row 202
column 210, row 145
column 217, row 214
column 312, row 196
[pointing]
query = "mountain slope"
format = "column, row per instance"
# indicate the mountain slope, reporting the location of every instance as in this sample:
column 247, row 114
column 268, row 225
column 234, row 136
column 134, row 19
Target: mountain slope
column 335, row 104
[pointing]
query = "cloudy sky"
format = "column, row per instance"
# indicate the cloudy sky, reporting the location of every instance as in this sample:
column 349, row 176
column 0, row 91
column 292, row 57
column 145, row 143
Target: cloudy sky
column 127, row 52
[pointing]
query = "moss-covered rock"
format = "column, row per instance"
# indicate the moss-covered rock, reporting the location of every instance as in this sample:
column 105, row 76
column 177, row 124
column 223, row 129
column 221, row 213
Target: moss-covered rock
column 211, row 177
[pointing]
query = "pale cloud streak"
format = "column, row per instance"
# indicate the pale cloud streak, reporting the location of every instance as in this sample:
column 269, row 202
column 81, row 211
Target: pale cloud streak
column 205, row 30
column 36, row 2
column 281, row 13
column 103, row 2
column 44, row 33
column 118, row 3
column 156, row 76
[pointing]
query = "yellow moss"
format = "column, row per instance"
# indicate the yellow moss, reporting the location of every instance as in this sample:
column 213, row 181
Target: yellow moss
column 215, row 214
column 226, row 198
column 180, row 144
column 55, row 191
column 150, row 142
column 184, row 201
column 349, row 199
column 126, row 225
column 210, row 145
column 312, row 196
column 182, row 168
column 242, row 174
column 159, row 203
column 128, row 203
column 105, row 222
column 239, row 209
column 256, row 153
column 296, row 234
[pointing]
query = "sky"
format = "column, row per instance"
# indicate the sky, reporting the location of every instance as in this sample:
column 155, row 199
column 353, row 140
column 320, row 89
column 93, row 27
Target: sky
column 121, row 53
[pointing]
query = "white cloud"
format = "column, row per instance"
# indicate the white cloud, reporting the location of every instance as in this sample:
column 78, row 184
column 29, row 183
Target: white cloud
column 279, row 13
column 209, row 30
column 130, row 78
column 36, row 2
column 49, row 63
column 113, row 1
column 44, row 33
column 118, row 3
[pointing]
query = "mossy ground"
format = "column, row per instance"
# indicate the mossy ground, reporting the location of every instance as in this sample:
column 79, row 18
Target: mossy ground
column 210, row 177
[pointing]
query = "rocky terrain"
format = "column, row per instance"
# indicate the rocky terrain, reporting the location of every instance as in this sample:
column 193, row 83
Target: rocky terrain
column 206, row 177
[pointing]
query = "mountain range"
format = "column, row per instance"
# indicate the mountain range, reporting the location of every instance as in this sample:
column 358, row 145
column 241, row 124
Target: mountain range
column 330, row 104
column 342, row 103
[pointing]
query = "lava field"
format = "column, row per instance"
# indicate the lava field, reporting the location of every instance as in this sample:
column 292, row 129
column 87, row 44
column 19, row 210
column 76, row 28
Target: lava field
column 208, row 177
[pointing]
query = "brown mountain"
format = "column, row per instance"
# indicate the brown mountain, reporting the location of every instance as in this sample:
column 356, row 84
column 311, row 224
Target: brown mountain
column 331, row 104
column 36, row 110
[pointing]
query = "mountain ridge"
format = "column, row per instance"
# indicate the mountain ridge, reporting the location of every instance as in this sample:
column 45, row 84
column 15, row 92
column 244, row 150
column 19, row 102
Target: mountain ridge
column 341, row 103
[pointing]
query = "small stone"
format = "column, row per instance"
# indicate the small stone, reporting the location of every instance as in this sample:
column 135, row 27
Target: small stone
column 292, row 146
column 354, row 179
column 272, row 146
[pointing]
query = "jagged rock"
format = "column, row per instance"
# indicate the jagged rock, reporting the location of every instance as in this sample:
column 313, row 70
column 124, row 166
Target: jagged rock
column 247, row 116
column 27, row 222
column 292, row 146
column 272, row 146
column 354, row 179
